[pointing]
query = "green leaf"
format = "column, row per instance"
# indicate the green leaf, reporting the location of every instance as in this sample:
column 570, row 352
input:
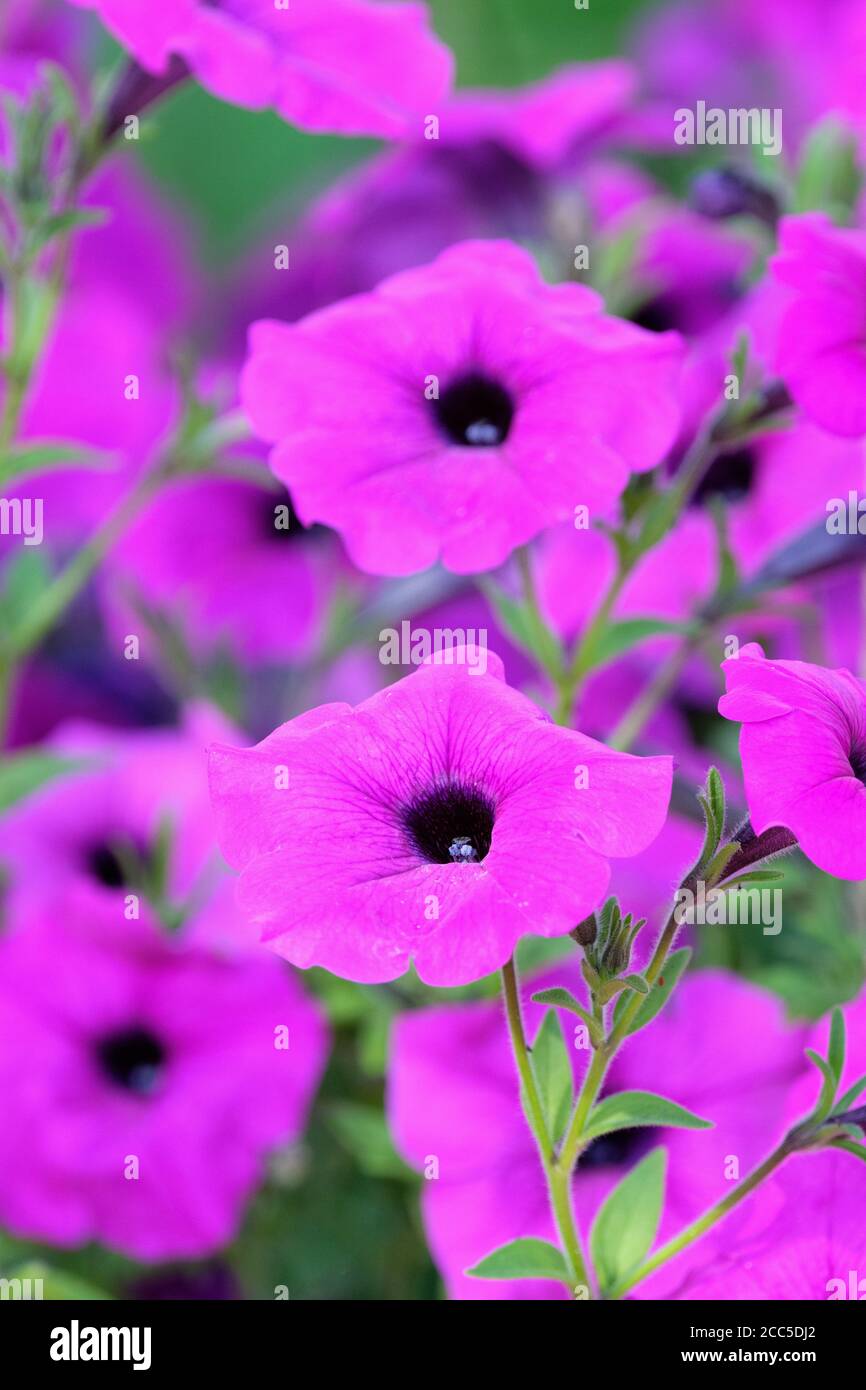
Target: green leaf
column 716, row 797
column 526, row 1258
column 715, row 870
column 659, row 518
column 525, row 626
column 364, row 1132
column 58, row 223
column 828, row 176
column 21, row 774
column 628, row 1220
column 836, row 1050
column 553, row 1072
column 659, row 992
column 27, row 575
column 57, row 1284
column 564, row 999
column 621, row 637
column 45, row 454
column 851, row 1147
column 636, row 983
column 847, row 1101
column 751, row 876
column 828, row 1088
column 634, row 1109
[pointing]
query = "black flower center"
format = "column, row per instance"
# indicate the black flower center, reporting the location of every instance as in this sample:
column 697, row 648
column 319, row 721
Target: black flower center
column 132, row 1058
column 621, row 1148
column 104, row 864
column 657, row 315
column 475, row 411
column 729, row 476
column 452, row 824
column 281, row 521
column 857, row 759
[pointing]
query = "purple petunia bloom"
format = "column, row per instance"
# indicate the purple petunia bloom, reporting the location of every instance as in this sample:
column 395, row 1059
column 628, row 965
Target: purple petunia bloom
column 501, row 162
column 230, row 563
column 440, row 820
column 99, row 824
column 144, row 1081
column 800, row 1235
column 353, row 67
column 803, row 56
column 822, row 342
column 719, row 1048
column 458, row 409
column 803, row 746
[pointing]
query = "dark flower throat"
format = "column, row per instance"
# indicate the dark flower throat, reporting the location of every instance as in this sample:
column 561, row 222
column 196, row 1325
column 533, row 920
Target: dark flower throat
column 133, row 1059
column 475, row 411
column 452, row 824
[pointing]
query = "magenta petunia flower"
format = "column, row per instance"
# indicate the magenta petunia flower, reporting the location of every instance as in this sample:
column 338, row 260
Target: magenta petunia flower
column 802, row 56
column 440, row 820
column 720, row 1048
column 801, row 1235
column 144, row 1081
column 458, row 409
column 100, row 823
column 803, row 747
column 548, row 123
column 822, row 342
column 249, row 579
column 353, row 67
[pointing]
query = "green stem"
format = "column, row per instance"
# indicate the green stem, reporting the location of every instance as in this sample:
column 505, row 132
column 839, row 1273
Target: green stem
column 558, row 1178
column 698, row 1228
column 574, row 1141
column 651, row 974
column 53, row 602
column 592, row 1082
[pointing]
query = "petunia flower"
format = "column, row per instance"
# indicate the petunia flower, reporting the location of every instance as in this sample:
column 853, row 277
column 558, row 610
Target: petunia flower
column 719, row 1048
column 800, row 1235
column 799, row 55
column 501, row 161
column 144, row 1081
column 822, row 342
column 353, row 67
column 458, row 409
column 99, row 823
column 440, row 820
column 803, row 748
column 230, row 564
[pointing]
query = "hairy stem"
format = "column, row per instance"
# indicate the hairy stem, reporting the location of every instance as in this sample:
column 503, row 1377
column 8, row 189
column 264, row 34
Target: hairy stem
column 558, row 1178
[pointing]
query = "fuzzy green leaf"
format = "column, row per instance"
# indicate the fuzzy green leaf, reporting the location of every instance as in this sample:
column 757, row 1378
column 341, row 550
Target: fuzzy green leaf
column 526, row 1258
column 659, row 993
column 628, row 1220
column 635, row 1109
column 553, row 1072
